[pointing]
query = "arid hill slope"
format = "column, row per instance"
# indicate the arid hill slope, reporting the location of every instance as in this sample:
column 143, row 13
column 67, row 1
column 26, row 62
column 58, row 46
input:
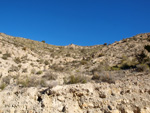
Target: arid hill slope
column 42, row 78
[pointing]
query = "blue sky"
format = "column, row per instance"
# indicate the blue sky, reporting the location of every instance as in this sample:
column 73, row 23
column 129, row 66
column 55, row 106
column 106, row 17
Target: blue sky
column 81, row 22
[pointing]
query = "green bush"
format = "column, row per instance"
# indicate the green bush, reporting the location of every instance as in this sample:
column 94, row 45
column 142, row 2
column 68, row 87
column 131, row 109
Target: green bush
column 39, row 72
column 2, row 86
column 115, row 68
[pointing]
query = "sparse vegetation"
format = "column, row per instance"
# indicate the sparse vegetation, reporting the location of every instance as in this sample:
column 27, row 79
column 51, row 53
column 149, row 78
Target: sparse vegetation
column 43, row 41
column 109, row 73
column 56, row 67
column 46, row 62
column 24, row 48
column 96, row 77
column 17, row 60
column 107, row 79
column 6, row 56
column 141, row 57
column 142, row 67
column 115, row 68
column 103, row 77
column 39, row 72
column 75, row 79
column 89, row 57
column 127, row 63
column 31, row 82
column 33, row 71
column 13, row 68
column 2, row 86
column 24, row 82
column 49, row 76
column 40, row 61
column 6, row 79
column 83, row 62
column 24, row 70
column 19, row 65
column 24, row 58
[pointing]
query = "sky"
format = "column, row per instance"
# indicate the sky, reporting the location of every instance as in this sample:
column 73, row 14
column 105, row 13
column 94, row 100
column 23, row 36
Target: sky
column 80, row 22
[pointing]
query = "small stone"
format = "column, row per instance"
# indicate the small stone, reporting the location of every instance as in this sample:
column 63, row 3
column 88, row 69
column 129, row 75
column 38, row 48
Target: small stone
column 115, row 111
column 61, row 98
column 102, row 95
column 90, row 105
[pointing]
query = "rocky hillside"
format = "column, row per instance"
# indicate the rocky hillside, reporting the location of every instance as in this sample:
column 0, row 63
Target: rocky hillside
column 36, row 77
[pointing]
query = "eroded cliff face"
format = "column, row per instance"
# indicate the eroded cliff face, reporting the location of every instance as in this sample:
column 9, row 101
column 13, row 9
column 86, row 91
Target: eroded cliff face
column 36, row 77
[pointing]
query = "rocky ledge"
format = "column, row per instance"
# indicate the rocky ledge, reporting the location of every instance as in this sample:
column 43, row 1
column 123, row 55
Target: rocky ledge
column 129, row 95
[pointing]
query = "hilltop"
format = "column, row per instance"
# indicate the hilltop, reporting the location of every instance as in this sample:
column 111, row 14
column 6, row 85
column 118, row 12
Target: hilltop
column 43, row 78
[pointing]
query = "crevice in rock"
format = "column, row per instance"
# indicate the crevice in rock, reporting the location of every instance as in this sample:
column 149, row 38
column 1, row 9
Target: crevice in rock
column 64, row 109
column 39, row 99
column 46, row 91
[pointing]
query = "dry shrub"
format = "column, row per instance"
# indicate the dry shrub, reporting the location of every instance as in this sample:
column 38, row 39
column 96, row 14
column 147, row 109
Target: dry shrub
column 6, row 79
column 75, row 79
column 30, row 82
column 142, row 67
column 83, row 62
column 17, row 60
column 24, row 48
column 103, row 77
column 6, row 55
column 49, row 76
column 13, row 68
column 46, row 62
